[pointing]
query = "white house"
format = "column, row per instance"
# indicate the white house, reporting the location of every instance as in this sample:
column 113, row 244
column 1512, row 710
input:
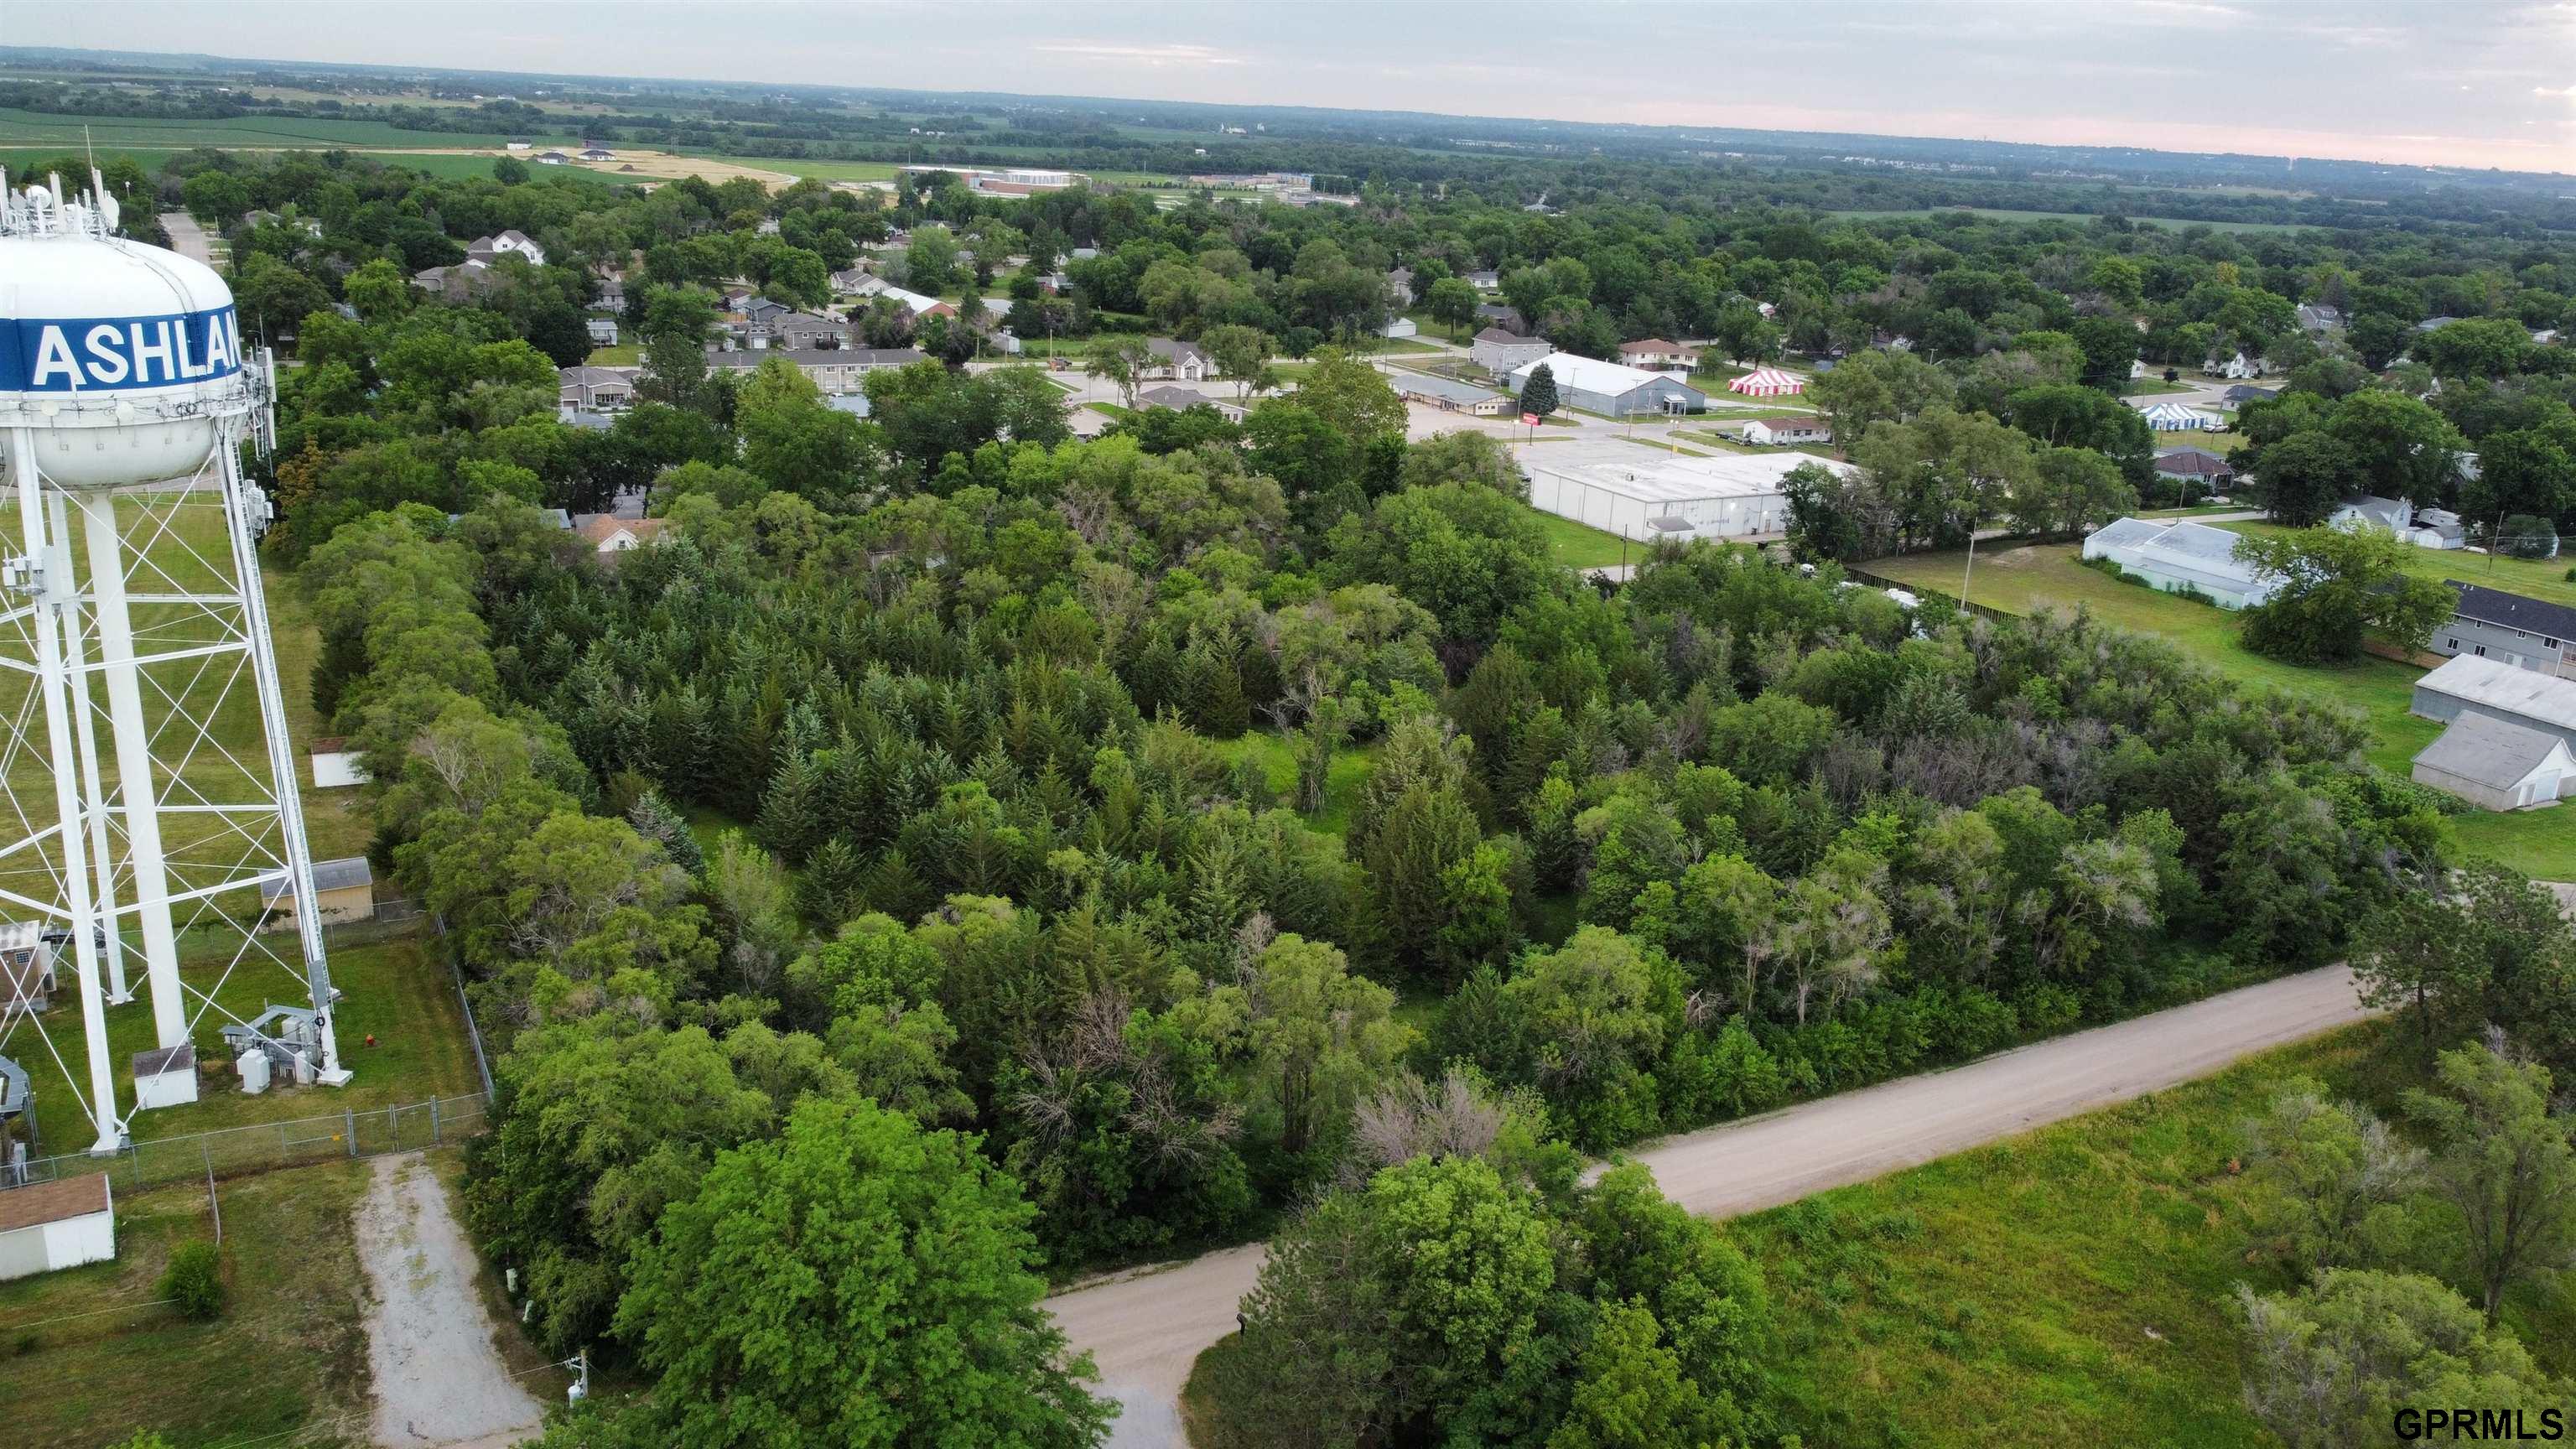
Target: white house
column 2239, row 367
column 2179, row 556
column 607, row 533
column 1786, row 432
column 60, row 1224
column 2365, row 511
column 1499, row 351
column 1654, row 354
column 2497, row 764
column 1174, row 361
column 508, row 243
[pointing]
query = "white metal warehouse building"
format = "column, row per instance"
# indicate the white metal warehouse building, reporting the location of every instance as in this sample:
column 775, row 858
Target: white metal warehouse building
column 1621, row 488
column 1610, row 389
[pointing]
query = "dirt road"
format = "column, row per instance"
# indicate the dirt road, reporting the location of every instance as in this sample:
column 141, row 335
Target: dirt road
column 1144, row 1329
column 439, row 1380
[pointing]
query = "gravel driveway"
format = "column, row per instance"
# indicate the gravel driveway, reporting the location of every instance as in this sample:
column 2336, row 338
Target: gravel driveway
column 439, row 1380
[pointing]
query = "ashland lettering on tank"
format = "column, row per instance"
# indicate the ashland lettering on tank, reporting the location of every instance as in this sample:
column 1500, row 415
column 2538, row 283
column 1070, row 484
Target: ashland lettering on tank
column 108, row 354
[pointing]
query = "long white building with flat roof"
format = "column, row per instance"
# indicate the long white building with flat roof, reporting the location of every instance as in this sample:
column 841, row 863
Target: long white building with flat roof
column 1630, row 490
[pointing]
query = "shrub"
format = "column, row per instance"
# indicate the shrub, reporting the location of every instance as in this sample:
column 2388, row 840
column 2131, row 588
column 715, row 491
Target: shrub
column 194, row 1281
column 2528, row 536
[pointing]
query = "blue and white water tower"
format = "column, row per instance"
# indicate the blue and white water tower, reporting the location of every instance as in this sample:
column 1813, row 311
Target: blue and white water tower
column 130, row 596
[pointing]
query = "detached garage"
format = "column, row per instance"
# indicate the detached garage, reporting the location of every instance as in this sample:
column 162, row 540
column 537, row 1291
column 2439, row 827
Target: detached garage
column 56, row 1225
column 2500, row 766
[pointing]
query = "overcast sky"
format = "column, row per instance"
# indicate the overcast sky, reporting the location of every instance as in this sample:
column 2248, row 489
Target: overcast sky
column 2438, row 82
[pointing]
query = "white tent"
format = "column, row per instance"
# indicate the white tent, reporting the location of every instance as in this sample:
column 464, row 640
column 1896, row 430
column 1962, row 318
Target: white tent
column 2175, row 418
column 1768, row 382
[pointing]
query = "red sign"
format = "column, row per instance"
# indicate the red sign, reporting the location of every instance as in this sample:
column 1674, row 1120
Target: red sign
column 1529, row 420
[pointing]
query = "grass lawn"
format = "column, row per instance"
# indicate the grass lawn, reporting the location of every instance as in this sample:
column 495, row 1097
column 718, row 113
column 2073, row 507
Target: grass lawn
column 1278, row 756
column 2221, row 441
column 289, row 1354
column 2197, row 510
column 2148, row 386
column 2066, row 1287
column 624, row 354
column 2536, row 578
column 1581, row 546
column 398, row 990
column 2030, row 577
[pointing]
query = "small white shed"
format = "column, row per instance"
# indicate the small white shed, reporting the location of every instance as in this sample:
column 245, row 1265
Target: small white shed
column 335, row 765
column 60, row 1224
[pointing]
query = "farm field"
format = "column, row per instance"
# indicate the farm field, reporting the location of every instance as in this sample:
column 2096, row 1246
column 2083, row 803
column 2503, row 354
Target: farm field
column 2072, row 1286
column 270, row 133
column 447, row 166
column 2031, row 577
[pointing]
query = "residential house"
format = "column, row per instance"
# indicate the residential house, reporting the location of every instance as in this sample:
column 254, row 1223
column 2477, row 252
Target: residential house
column 1654, row 354
column 1181, row 399
column 460, row 283
column 611, row 296
column 553, row 158
column 856, row 282
column 597, row 153
column 761, row 313
column 2198, row 467
column 1170, row 360
column 1499, row 352
column 2524, row 632
column 805, row 330
column 1399, row 289
column 1787, row 432
column 596, row 389
column 834, row 370
column 2318, row 318
column 1495, row 314
column 609, row 534
column 2182, row 557
column 2362, row 510
column 2497, row 765
column 1608, row 387
column 1449, row 395
column 2238, row 366
column 2434, row 324
column 603, row 331
column 2246, row 392
column 506, row 244
column 1485, row 281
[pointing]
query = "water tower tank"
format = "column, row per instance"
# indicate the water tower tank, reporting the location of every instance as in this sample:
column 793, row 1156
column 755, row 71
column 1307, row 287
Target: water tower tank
column 121, row 356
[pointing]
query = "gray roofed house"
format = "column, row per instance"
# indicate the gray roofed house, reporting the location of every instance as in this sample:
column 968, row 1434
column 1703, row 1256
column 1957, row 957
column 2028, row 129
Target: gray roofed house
column 2318, row 317
column 1176, row 361
column 833, row 369
column 1181, row 399
column 2434, row 324
column 2246, row 392
column 2197, row 465
column 1499, row 352
column 2392, row 514
column 2523, row 632
column 592, row 389
column 2497, row 764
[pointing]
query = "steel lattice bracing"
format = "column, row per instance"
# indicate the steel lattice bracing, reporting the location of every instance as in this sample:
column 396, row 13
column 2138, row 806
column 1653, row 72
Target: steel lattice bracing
column 140, row 706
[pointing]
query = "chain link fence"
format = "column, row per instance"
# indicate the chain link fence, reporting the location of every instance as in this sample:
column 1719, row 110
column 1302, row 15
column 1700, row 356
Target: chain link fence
column 266, row 1146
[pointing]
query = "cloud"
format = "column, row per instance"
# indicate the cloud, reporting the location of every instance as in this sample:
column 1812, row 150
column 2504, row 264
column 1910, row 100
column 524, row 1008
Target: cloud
column 1148, row 55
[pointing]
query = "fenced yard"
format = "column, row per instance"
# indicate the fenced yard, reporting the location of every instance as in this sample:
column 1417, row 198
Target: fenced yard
column 267, row 1146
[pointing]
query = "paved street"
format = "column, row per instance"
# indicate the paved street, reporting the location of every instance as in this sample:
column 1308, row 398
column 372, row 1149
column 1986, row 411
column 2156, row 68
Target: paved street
column 1145, row 1329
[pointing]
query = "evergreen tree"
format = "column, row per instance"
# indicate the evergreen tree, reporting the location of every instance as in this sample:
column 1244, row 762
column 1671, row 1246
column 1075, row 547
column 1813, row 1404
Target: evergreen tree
column 1538, row 395
column 791, row 817
column 655, row 820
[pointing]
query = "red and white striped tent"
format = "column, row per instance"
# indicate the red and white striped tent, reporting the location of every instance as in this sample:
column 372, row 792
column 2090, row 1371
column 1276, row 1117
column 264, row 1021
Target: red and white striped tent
column 1768, row 382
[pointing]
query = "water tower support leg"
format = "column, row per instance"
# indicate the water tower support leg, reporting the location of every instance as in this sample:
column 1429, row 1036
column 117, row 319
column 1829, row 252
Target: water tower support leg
column 135, row 784
column 102, row 845
column 50, row 605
